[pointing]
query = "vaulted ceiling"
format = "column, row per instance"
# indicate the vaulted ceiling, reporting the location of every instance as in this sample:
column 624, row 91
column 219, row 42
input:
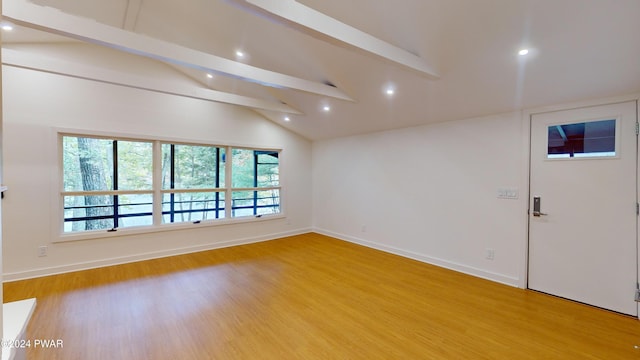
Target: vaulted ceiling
column 444, row 59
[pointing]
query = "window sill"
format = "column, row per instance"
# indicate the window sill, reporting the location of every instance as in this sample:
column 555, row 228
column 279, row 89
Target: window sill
column 103, row 234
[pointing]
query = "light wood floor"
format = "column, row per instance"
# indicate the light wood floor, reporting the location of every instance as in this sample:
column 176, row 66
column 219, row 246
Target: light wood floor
column 309, row 297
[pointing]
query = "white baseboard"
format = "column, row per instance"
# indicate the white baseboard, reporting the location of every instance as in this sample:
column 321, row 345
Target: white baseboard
column 469, row 270
column 34, row 273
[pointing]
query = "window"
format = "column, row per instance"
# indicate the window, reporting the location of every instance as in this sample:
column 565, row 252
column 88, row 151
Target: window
column 579, row 140
column 110, row 183
column 256, row 183
column 107, row 183
column 192, row 183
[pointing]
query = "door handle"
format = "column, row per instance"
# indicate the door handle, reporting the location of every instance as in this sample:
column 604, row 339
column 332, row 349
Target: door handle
column 536, row 207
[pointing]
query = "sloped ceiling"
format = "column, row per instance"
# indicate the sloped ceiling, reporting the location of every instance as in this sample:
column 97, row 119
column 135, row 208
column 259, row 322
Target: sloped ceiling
column 579, row 49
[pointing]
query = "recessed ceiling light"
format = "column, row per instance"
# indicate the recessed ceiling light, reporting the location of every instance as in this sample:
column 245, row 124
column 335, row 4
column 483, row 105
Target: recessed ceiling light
column 210, row 76
column 287, row 119
column 523, row 52
column 7, row 27
column 326, row 108
column 389, row 89
column 239, row 54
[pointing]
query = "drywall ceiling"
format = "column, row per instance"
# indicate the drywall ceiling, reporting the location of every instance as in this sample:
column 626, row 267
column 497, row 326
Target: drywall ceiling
column 578, row 49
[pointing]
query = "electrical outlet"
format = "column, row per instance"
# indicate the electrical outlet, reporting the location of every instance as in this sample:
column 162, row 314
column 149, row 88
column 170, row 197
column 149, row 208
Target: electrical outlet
column 42, row 251
column 489, row 254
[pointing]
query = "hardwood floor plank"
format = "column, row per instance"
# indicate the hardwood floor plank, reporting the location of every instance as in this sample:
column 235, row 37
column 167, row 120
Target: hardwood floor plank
column 308, row 297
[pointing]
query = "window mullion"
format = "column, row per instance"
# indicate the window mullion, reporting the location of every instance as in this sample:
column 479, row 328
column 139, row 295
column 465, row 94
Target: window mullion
column 255, row 182
column 157, row 183
column 115, row 184
column 228, row 196
column 172, row 183
column 217, row 184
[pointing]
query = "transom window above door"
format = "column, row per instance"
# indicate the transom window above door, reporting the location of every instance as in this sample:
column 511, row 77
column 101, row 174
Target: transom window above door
column 582, row 140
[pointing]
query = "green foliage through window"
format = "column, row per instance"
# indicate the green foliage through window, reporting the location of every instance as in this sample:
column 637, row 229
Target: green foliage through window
column 109, row 183
column 189, row 167
column 255, row 171
column 106, row 166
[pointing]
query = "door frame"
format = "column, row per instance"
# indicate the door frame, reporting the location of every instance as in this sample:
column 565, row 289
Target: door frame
column 527, row 116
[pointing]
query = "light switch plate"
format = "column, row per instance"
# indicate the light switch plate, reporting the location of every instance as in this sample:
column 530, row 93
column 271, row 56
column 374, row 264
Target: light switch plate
column 508, row 193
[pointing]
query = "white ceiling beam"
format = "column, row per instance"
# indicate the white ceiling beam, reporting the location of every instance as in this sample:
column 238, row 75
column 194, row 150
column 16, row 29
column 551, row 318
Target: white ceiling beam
column 38, row 62
column 317, row 24
column 25, row 13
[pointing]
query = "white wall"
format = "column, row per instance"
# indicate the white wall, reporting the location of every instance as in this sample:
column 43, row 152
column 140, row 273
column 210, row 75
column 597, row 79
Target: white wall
column 1, row 182
column 35, row 103
column 429, row 193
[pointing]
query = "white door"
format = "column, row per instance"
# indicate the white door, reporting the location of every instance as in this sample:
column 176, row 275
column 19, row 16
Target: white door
column 582, row 233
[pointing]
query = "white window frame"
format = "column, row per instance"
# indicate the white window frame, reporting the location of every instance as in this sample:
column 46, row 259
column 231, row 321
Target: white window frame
column 158, row 179
column 58, row 203
column 250, row 189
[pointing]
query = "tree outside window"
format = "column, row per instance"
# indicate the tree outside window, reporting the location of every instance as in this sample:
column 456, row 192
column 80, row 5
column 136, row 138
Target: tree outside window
column 109, row 183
